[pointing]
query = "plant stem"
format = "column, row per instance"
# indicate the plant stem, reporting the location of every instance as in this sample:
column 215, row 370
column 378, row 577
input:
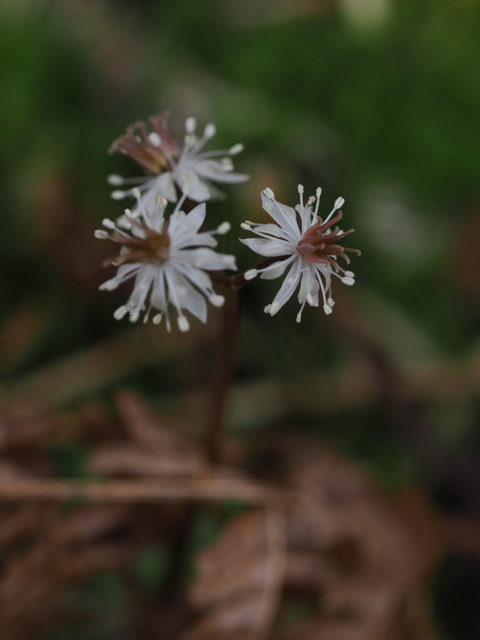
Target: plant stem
column 221, row 378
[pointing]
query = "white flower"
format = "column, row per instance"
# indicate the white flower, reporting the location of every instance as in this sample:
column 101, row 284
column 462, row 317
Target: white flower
column 186, row 170
column 306, row 244
column 168, row 259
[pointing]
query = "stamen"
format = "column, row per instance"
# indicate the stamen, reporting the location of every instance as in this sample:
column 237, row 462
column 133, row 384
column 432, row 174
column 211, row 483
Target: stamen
column 348, row 281
column 120, row 313
column 224, row 228
column 155, row 139
column 236, row 149
column 108, row 223
column 190, row 125
column 246, row 226
column 210, row 131
column 250, row 274
column 101, row 234
column 269, row 193
column 118, row 195
column 327, row 309
column 274, row 307
column 158, row 318
column 228, row 261
column 183, row 324
column 115, row 180
column 216, row 300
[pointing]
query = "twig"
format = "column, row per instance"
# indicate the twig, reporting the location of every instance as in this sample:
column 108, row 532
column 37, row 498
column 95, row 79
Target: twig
column 209, row 489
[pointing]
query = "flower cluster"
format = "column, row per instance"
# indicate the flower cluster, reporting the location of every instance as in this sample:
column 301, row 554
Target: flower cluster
column 170, row 258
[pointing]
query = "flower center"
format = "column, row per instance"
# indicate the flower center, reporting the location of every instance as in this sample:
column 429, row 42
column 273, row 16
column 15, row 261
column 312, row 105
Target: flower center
column 319, row 243
column 151, row 145
column 153, row 247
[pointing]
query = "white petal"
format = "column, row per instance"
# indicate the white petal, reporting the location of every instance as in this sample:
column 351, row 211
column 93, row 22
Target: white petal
column 215, row 171
column 288, row 287
column 283, row 215
column 276, row 271
column 268, row 248
column 204, row 258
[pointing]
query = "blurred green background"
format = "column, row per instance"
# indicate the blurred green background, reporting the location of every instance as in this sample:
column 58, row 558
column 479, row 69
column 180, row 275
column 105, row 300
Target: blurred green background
column 374, row 100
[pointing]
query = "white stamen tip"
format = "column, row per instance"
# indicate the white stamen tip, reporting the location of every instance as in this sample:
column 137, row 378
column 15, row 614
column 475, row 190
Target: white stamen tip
column 327, row 309
column 109, row 285
column 157, row 319
column 224, row 228
column 299, row 317
column 155, row 139
column 134, row 316
column 250, row 274
column 183, row 324
column 348, row 281
column 266, row 309
column 300, row 189
column 339, row 202
column 269, row 193
column 101, row 234
column 216, row 300
column 237, row 148
column 124, row 223
column 115, row 180
column 161, row 201
column 274, row 307
column 318, row 192
column 210, row 131
column 331, row 302
column 190, row 125
column 118, row 195
column 310, row 201
column 168, row 325
column 136, row 193
column 349, row 274
column 246, row 226
column 120, row 313
column 229, row 261
column 108, row 223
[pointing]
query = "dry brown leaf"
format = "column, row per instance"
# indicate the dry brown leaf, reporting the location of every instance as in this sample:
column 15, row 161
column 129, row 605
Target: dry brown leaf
column 240, row 579
column 127, row 459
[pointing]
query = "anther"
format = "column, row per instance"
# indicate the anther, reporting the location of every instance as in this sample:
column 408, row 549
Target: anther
column 269, row 193
column 236, row 149
column 118, row 195
column 114, row 179
column 155, row 139
column 210, row 131
column 183, row 324
column 250, row 274
column 216, row 300
column 224, row 228
column 120, row 313
column 190, row 125
column 327, row 309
